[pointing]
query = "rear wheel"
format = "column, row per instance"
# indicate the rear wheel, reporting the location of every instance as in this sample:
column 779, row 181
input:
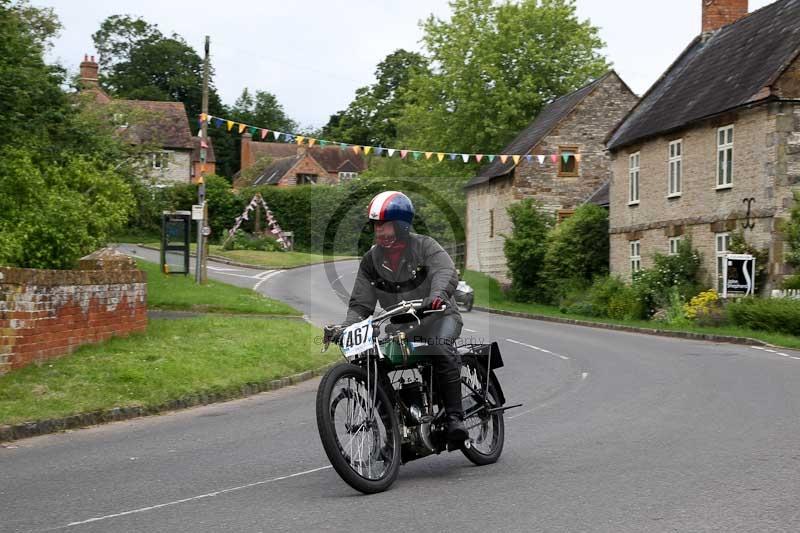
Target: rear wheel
column 358, row 428
column 486, row 430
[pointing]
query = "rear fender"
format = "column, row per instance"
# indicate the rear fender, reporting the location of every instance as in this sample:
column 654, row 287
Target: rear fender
column 482, row 353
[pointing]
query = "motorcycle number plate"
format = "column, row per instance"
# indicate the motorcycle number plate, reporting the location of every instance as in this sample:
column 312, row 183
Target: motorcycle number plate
column 357, row 338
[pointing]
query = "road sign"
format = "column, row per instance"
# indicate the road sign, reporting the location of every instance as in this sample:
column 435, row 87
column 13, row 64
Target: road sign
column 206, row 231
column 738, row 275
column 197, row 212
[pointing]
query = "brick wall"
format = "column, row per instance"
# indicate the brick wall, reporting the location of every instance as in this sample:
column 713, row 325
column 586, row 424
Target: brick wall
column 308, row 165
column 50, row 313
column 766, row 166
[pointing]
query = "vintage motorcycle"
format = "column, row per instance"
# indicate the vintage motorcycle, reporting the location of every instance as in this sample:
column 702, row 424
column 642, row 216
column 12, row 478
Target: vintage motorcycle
column 380, row 408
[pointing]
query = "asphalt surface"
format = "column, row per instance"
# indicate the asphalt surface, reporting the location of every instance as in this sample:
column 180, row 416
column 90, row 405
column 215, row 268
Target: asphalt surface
column 619, row 432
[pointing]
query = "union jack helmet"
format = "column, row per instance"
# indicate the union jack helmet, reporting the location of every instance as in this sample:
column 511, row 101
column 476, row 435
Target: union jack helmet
column 391, row 205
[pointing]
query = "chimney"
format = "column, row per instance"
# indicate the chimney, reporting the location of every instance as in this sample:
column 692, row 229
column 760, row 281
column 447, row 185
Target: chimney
column 719, row 13
column 89, row 69
column 246, row 154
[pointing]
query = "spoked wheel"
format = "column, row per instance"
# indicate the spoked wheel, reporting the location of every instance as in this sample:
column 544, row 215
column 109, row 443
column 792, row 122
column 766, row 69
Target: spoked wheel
column 358, row 428
column 486, row 430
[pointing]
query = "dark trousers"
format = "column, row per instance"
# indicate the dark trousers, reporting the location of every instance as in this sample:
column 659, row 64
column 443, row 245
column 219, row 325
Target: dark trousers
column 440, row 335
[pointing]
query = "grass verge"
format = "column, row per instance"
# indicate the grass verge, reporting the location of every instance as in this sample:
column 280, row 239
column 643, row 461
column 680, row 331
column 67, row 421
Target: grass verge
column 489, row 294
column 176, row 292
column 172, row 359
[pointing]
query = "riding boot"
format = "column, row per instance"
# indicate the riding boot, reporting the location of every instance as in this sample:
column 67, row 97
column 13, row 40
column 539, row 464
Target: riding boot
column 451, row 397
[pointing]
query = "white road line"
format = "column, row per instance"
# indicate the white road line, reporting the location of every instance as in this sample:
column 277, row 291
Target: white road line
column 761, row 348
column 564, row 357
column 584, row 375
column 194, row 498
column 470, row 330
column 265, row 278
column 218, row 269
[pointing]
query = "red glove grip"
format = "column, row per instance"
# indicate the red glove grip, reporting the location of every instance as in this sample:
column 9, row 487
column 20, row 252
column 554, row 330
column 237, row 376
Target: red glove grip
column 436, row 304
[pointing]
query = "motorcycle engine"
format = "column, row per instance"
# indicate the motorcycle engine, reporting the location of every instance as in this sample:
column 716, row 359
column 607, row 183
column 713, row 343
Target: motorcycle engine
column 413, row 395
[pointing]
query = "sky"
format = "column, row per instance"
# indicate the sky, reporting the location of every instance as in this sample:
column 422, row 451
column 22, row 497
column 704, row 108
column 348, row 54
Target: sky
column 314, row 54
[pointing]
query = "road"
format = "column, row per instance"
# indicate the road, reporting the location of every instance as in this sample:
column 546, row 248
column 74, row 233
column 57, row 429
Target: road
column 619, row 432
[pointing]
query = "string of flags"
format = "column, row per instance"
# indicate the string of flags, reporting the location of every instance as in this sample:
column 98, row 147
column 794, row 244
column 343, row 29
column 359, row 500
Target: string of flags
column 274, row 227
column 265, row 134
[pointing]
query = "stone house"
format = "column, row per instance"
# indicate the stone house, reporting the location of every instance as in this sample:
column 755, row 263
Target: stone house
column 162, row 125
column 713, row 148
column 292, row 164
column 564, row 165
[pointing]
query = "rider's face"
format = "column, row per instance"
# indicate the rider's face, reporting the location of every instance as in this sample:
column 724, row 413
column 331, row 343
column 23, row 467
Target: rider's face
column 384, row 233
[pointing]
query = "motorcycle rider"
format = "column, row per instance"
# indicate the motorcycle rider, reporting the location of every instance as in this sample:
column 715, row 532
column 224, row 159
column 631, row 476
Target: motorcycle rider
column 402, row 265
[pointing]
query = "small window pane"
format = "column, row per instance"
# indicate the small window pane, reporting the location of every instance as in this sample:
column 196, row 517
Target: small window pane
column 730, row 135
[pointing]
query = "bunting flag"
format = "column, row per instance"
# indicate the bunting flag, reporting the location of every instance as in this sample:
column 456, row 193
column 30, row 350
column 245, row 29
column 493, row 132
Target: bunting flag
column 274, row 228
column 379, row 150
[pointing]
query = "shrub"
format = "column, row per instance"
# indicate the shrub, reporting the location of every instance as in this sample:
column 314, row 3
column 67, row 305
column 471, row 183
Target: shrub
column 606, row 297
column 775, row 314
column 792, row 282
column 577, row 251
column 653, row 286
column 791, row 230
column 247, row 241
column 525, row 248
column 705, row 309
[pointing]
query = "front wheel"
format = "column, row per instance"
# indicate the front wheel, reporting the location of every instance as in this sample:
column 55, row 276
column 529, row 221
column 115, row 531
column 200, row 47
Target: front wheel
column 358, row 428
column 486, row 430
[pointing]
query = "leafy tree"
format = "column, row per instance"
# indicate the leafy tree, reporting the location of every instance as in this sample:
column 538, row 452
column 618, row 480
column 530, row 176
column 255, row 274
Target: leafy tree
column 371, row 118
column 577, row 250
column 261, row 109
column 525, row 249
column 791, row 229
column 496, row 66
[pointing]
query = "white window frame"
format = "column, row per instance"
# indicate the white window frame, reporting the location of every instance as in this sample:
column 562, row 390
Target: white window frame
column 347, row 175
column 724, row 161
column 675, row 169
column 674, row 244
column 635, row 248
column 634, row 161
column 159, row 160
column 722, row 242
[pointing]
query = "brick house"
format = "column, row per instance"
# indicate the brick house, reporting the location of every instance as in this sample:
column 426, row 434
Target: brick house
column 719, row 129
column 568, row 166
column 293, row 164
column 163, row 125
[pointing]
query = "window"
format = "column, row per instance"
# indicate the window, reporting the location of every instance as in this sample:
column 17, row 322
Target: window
column 159, row 160
column 491, row 223
column 674, row 244
column 636, row 256
column 633, row 179
column 564, row 214
column 723, row 241
column 347, row 175
column 567, row 161
column 675, row 164
column 306, row 179
column 725, row 157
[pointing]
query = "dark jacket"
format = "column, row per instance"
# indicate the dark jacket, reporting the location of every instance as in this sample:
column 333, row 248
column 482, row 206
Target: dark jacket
column 425, row 269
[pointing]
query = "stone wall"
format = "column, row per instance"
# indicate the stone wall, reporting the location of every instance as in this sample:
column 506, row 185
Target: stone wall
column 766, row 167
column 179, row 169
column 485, row 236
column 50, row 313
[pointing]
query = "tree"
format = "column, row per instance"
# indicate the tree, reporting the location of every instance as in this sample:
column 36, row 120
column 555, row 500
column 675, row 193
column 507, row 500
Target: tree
column 496, row 67
column 577, row 251
column 262, row 110
column 371, row 118
column 525, row 248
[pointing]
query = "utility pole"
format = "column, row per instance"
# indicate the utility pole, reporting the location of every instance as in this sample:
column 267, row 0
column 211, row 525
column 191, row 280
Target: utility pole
column 201, row 273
